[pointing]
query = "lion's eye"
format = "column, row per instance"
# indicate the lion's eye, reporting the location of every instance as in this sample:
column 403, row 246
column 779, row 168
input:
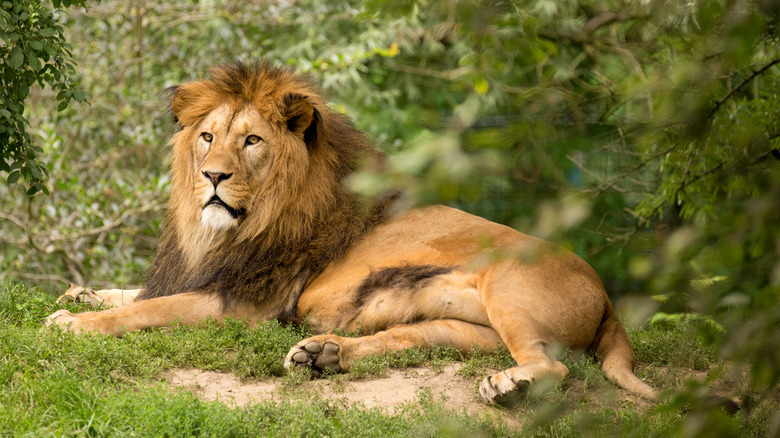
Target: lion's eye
column 252, row 139
column 206, row 136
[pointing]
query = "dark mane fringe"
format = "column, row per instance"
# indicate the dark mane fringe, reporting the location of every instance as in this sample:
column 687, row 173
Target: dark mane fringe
column 272, row 270
column 406, row 277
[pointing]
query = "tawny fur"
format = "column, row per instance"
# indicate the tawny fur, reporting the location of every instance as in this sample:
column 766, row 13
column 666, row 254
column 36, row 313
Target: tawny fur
column 261, row 226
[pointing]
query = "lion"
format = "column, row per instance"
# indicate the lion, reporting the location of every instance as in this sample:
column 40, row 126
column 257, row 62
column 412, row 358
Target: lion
column 261, row 225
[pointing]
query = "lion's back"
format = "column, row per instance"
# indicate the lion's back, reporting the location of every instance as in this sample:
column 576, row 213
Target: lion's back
column 443, row 236
column 436, row 235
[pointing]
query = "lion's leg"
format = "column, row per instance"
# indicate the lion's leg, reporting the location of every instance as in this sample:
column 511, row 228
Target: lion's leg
column 188, row 308
column 107, row 297
column 337, row 353
column 529, row 350
column 529, row 317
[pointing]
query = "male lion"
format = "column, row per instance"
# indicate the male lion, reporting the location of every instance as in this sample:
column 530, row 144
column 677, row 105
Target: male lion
column 261, row 226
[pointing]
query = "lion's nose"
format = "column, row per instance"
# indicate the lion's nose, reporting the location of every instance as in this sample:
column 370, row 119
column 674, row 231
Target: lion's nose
column 216, row 177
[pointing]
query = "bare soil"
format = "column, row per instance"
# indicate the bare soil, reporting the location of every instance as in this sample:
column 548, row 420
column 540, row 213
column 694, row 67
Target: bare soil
column 397, row 387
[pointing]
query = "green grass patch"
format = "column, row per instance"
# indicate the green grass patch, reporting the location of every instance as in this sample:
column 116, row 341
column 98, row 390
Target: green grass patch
column 60, row 404
column 53, row 383
column 231, row 347
column 473, row 362
column 689, row 343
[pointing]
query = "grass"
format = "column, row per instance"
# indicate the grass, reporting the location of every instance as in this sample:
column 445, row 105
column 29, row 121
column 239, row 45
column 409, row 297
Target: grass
column 55, row 384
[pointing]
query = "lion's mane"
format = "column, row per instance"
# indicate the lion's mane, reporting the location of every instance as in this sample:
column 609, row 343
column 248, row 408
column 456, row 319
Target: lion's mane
column 305, row 219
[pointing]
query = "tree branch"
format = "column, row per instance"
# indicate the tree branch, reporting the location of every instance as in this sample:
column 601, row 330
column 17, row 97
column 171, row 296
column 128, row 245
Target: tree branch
column 35, row 277
column 51, row 237
column 591, row 26
column 15, row 220
column 744, row 82
column 605, row 18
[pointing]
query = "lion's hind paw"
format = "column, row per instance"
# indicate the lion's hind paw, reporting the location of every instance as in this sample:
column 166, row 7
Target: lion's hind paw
column 502, row 389
column 317, row 356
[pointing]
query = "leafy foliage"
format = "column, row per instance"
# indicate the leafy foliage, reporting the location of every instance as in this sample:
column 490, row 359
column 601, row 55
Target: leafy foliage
column 33, row 51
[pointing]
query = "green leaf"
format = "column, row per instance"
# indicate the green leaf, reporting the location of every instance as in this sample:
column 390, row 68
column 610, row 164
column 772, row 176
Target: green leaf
column 35, row 45
column 47, row 32
column 33, row 62
column 17, row 57
column 62, row 105
column 5, row 113
column 21, row 91
column 13, row 177
column 51, row 51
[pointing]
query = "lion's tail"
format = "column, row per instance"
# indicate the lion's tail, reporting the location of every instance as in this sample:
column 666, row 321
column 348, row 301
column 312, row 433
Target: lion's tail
column 613, row 347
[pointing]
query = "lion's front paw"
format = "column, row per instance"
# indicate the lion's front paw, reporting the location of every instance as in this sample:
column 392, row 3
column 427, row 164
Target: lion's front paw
column 319, row 355
column 64, row 319
column 80, row 294
column 502, row 389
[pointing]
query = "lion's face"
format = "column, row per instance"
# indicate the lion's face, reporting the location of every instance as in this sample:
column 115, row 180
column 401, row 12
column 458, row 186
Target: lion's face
column 248, row 162
column 232, row 154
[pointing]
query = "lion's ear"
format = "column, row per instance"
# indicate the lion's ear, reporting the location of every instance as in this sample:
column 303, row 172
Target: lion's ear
column 170, row 93
column 191, row 101
column 302, row 117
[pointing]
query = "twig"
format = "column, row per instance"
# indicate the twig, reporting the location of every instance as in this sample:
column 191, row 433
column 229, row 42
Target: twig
column 452, row 75
column 106, row 227
column 744, row 82
column 603, row 189
column 36, row 277
column 605, row 18
column 590, row 173
column 16, row 221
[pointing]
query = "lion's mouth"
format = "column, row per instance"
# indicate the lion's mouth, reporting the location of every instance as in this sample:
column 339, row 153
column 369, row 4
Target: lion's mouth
column 216, row 200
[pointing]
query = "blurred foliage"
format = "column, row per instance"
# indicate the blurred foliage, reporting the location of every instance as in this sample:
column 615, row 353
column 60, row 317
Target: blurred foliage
column 642, row 134
column 33, row 50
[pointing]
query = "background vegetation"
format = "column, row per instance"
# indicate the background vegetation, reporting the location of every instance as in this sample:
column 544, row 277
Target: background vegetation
column 641, row 134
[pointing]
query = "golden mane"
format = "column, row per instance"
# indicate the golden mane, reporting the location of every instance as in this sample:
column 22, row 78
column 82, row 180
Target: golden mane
column 304, row 218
